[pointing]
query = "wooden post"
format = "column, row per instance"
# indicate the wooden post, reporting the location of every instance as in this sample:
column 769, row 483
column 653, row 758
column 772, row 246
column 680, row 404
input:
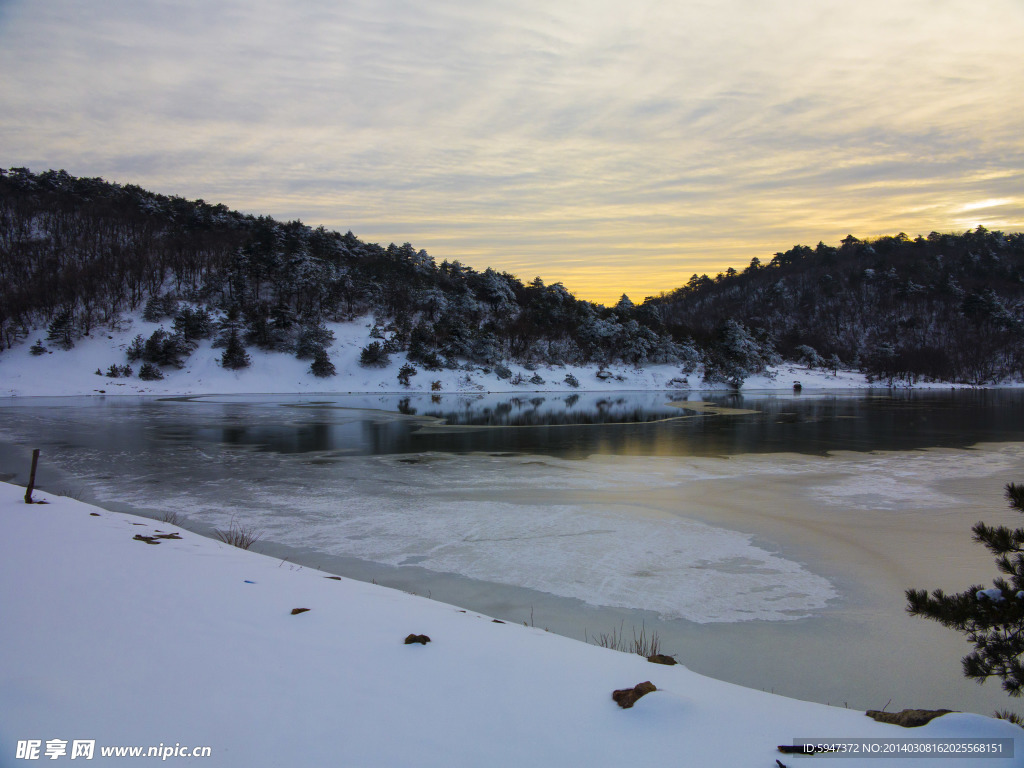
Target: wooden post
column 32, row 477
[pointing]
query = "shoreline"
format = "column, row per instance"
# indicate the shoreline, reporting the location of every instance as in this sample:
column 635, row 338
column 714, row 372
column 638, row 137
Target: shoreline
column 187, row 394
column 73, row 373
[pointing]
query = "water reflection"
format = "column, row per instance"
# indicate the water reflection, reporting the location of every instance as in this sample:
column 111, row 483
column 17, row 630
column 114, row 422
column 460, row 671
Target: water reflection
column 547, row 411
column 575, row 425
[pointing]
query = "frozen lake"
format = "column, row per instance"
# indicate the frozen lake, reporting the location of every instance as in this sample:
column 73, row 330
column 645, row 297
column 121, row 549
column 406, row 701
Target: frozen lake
column 767, row 539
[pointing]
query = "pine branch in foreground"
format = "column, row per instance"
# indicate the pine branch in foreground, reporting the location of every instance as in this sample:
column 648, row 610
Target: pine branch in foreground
column 991, row 619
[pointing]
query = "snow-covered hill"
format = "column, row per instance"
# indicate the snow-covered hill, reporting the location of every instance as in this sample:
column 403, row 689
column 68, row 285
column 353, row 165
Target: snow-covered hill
column 73, row 372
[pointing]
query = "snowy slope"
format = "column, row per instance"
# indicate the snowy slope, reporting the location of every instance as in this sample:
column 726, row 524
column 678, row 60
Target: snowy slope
column 73, row 372
column 107, row 638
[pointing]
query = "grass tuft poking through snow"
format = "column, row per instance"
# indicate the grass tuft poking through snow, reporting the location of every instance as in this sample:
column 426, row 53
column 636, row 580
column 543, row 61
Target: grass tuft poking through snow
column 642, row 645
column 237, row 535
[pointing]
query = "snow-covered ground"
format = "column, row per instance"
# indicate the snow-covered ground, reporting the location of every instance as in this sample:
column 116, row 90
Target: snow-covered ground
column 73, row 372
column 109, row 640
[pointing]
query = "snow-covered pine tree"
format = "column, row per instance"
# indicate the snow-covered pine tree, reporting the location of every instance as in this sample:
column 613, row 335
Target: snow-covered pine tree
column 809, row 356
column 736, row 354
column 229, row 338
column 992, row 619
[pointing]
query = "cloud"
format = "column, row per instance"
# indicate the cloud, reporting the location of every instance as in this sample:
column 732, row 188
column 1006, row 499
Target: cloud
column 624, row 145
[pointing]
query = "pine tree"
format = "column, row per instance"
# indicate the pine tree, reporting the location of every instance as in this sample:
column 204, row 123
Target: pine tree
column 163, row 348
column 154, row 310
column 61, row 330
column 234, row 356
column 374, row 356
column 736, row 354
column 313, row 338
column 321, row 367
column 136, row 349
column 404, row 373
column 149, row 372
column 992, row 619
column 153, row 349
column 193, row 324
column 159, row 307
column 229, row 339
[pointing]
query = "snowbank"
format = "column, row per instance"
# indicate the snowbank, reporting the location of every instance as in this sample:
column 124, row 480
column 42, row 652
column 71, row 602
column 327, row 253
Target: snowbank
column 186, row 641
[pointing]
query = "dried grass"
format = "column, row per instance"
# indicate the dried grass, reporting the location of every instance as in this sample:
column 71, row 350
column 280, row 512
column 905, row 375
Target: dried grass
column 238, row 535
column 642, row 644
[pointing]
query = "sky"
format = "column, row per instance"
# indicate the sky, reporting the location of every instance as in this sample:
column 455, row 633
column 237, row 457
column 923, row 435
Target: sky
column 614, row 147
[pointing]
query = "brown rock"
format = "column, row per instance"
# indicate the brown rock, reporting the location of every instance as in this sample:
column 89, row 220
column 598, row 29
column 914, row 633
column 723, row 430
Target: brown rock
column 153, row 539
column 421, row 639
column 627, row 697
column 660, row 658
column 908, row 718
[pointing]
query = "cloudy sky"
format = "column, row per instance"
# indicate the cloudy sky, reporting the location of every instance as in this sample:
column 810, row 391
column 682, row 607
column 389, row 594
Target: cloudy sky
column 613, row 146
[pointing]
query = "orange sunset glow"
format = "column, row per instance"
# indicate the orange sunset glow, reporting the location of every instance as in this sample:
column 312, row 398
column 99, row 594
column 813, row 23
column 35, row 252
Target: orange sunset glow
column 613, row 148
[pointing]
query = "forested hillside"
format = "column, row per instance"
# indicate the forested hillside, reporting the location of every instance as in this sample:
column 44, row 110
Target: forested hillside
column 75, row 253
column 942, row 307
column 78, row 253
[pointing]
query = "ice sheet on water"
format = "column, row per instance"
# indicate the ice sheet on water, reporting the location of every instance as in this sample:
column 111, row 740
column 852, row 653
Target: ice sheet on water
column 492, row 518
column 601, row 555
column 529, row 521
column 907, row 480
column 588, row 529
